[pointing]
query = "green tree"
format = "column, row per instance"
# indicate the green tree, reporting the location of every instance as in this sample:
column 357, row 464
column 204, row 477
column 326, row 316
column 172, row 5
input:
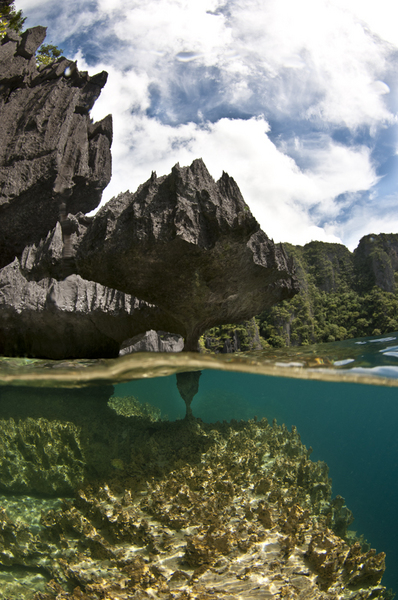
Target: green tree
column 47, row 53
column 10, row 17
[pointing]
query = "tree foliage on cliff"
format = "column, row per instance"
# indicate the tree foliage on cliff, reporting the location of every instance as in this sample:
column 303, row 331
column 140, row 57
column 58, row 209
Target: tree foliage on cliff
column 343, row 295
column 233, row 338
column 11, row 18
column 48, row 53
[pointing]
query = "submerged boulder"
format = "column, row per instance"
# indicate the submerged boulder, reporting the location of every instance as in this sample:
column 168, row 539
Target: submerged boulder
column 51, row 152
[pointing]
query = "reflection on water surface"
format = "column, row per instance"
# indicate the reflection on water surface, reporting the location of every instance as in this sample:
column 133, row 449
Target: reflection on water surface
column 365, row 360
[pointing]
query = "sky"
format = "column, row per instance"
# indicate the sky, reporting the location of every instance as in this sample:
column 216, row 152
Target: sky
column 296, row 100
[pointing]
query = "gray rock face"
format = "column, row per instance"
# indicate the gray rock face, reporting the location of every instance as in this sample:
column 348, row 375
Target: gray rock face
column 153, row 341
column 376, row 262
column 50, row 150
column 188, row 244
column 70, row 318
column 191, row 246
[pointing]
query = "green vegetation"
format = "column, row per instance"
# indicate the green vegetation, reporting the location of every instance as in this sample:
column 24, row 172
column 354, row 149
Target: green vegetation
column 47, row 53
column 232, row 338
column 10, row 18
column 317, row 316
column 343, row 295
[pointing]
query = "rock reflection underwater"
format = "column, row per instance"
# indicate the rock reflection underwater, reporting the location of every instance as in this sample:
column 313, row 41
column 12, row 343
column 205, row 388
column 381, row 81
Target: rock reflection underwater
column 183, row 510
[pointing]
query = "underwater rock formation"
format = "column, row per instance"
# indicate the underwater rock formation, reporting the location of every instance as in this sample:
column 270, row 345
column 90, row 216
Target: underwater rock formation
column 185, row 243
column 195, row 511
column 51, row 151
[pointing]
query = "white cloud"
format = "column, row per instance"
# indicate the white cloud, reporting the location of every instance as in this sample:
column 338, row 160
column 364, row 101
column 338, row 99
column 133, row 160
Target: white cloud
column 278, row 192
column 379, row 17
column 314, row 59
column 28, row 5
column 159, row 31
column 315, row 56
column 62, row 20
column 368, row 217
column 317, row 65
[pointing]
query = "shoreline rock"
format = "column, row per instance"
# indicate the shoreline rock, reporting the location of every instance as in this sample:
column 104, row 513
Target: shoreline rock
column 72, row 318
column 153, row 341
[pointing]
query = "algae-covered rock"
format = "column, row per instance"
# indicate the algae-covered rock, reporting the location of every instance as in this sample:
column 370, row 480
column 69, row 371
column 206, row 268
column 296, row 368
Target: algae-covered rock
column 129, row 406
column 234, row 509
column 40, row 456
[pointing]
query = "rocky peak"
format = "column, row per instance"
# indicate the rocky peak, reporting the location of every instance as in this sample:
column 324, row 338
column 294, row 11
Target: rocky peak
column 51, row 152
column 17, row 62
column 186, row 205
column 376, row 261
column 190, row 246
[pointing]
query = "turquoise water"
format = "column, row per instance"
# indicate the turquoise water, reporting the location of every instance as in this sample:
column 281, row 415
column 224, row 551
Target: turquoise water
column 353, row 427
column 350, row 425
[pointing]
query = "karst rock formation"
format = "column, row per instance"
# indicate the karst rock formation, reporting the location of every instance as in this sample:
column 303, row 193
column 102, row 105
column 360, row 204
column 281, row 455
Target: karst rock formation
column 50, row 150
column 181, row 254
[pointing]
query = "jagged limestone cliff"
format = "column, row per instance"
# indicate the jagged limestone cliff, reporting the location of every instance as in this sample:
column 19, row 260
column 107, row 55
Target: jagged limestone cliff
column 51, row 151
column 182, row 242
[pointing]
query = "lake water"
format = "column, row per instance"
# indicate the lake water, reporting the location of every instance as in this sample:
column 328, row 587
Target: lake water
column 74, row 425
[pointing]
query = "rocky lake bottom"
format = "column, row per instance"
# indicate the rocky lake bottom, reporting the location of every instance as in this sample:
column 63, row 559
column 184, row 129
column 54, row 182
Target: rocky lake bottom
column 281, row 485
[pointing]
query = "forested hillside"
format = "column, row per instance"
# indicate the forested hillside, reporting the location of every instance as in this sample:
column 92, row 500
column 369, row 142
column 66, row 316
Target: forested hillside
column 343, row 295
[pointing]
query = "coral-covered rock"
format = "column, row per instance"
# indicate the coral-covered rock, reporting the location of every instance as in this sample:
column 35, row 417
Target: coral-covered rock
column 50, row 149
column 190, row 517
column 52, row 467
column 332, row 560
